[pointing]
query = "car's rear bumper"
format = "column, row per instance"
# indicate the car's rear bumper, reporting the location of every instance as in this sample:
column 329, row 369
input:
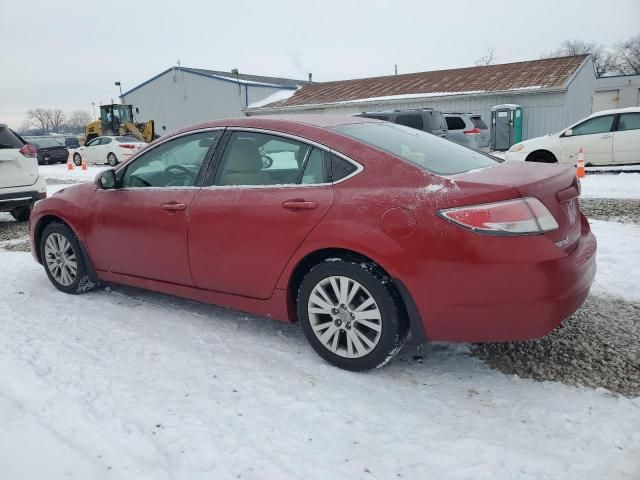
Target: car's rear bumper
column 508, row 301
column 9, row 201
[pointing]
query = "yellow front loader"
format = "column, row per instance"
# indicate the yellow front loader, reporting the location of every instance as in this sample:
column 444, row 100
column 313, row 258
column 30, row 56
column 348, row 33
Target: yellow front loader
column 117, row 119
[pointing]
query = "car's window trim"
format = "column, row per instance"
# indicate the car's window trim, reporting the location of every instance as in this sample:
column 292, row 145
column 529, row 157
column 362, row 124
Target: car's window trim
column 201, row 173
column 215, row 165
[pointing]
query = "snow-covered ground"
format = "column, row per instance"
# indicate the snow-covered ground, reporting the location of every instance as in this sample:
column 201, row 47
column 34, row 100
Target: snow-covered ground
column 127, row 384
column 59, row 172
column 611, row 185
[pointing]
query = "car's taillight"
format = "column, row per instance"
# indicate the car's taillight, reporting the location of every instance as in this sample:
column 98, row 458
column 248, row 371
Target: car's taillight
column 522, row 216
column 127, row 145
column 29, row 151
column 473, row 131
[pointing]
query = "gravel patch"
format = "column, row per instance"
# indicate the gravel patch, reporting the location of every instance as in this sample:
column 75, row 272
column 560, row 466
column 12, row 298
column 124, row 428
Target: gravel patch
column 10, row 230
column 612, row 210
column 596, row 347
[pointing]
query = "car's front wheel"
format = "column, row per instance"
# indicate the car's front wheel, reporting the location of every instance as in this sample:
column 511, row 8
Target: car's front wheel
column 350, row 314
column 63, row 260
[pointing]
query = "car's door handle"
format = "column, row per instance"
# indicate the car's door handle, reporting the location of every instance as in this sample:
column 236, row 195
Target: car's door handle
column 174, row 207
column 299, row 204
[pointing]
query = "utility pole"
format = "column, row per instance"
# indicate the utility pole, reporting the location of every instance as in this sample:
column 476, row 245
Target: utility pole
column 396, row 68
column 93, row 104
column 120, row 87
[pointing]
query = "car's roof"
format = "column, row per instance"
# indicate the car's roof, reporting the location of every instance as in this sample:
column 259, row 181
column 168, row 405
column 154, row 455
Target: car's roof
column 615, row 110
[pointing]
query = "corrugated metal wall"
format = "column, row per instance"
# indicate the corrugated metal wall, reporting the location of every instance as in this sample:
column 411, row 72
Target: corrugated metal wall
column 178, row 98
column 543, row 112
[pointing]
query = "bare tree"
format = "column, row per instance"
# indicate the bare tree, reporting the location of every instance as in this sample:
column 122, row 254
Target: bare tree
column 79, row 119
column 628, row 56
column 603, row 61
column 39, row 118
column 56, row 119
column 488, row 58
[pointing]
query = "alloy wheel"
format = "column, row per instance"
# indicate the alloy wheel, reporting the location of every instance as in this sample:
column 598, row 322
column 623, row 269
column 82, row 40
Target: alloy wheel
column 345, row 317
column 60, row 259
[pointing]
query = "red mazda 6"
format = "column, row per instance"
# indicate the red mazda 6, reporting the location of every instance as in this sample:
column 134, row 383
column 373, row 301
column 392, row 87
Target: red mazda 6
column 366, row 232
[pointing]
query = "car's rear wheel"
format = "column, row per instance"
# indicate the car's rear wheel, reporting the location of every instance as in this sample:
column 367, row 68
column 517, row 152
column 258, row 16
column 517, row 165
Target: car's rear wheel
column 350, row 315
column 77, row 159
column 112, row 160
column 21, row 214
column 63, row 260
column 542, row 157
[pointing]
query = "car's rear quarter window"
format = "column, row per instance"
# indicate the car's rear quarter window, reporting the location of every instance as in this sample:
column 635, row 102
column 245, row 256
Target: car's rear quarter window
column 427, row 151
column 479, row 123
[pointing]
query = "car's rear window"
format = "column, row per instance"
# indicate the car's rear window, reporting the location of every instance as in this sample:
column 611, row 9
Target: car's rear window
column 479, row 123
column 455, row 123
column 8, row 139
column 427, row 151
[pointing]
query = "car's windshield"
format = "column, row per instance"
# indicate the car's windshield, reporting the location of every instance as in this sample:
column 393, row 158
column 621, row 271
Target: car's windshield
column 425, row 150
column 47, row 142
column 8, row 139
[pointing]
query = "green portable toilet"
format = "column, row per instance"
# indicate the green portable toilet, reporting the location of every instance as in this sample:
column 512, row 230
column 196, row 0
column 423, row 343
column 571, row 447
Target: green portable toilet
column 506, row 126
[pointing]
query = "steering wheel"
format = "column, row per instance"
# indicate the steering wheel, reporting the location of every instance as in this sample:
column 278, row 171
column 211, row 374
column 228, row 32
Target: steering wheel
column 178, row 172
column 267, row 161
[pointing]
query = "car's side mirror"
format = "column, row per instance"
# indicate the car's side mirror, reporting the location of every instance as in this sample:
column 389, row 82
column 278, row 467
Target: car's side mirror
column 106, row 180
column 568, row 133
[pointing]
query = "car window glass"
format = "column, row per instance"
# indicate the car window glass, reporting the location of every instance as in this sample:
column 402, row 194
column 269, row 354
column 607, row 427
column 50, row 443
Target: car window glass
column 315, row 169
column 340, row 168
column 94, row 142
column 455, row 123
column 252, row 158
column 175, row 163
column 424, row 150
column 413, row 121
column 629, row 121
column 8, row 139
column 594, row 125
column 105, row 141
column 479, row 123
column 438, row 121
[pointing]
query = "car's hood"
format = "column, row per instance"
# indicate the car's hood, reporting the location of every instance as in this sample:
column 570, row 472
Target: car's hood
column 547, row 142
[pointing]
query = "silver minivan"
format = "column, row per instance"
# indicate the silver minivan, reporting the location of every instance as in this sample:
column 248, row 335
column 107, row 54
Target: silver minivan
column 468, row 129
column 426, row 119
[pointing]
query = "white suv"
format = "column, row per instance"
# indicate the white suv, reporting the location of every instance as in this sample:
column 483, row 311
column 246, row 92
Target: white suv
column 606, row 137
column 20, row 184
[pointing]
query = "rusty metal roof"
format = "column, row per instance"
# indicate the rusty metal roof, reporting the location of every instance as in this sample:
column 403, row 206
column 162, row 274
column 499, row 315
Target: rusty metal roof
column 548, row 73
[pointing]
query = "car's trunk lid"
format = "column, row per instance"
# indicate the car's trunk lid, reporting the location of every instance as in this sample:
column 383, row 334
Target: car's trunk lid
column 555, row 186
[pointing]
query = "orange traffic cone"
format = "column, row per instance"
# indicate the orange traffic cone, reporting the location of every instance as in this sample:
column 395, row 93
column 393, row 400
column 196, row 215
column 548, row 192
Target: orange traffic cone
column 84, row 164
column 580, row 172
column 69, row 163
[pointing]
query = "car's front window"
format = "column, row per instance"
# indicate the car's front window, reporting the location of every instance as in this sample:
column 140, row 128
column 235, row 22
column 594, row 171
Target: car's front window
column 427, row 151
column 175, row 163
column 594, row 126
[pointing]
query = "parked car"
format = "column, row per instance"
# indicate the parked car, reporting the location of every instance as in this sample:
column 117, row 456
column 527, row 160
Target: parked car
column 20, row 184
column 50, row 150
column 364, row 231
column 108, row 149
column 72, row 142
column 606, row 137
column 468, row 129
column 425, row 119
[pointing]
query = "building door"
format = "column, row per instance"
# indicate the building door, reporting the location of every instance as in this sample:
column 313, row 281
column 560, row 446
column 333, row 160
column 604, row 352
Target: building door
column 503, row 129
column 606, row 100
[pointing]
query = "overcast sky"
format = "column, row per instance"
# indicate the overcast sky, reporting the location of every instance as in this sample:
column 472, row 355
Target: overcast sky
column 67, row 54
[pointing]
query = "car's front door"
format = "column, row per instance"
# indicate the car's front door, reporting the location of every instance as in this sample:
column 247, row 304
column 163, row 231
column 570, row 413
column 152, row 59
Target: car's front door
column 594, row 136
column 89, row 152
column 103, row 150
column 626, row 139
column 140, row 227
column 267, row 194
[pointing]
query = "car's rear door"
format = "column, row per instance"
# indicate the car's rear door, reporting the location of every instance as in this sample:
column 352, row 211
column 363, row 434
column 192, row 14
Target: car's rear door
column 594, row 136
column 626, row 139
column 267, row 192
column 140, row 228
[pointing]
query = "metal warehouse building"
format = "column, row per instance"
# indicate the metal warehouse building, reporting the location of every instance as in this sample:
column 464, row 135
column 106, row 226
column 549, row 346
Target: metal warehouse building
column 554, row 92
column 181, row 96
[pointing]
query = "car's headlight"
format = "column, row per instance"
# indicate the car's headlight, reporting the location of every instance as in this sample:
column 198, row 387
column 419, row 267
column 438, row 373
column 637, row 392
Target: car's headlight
column 517, row 147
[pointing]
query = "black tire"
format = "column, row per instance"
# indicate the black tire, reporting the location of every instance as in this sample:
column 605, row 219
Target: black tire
column 82, row 282
column 542, row 157
column 77, row 159
column 393, row 325
column 21, row 214
column 112, row 160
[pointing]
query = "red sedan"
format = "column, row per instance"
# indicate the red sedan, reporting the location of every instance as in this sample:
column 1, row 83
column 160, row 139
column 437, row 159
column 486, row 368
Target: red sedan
column 366, row 232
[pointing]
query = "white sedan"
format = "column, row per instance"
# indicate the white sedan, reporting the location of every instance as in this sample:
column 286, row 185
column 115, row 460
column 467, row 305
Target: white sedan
column 606, row 137
column 108, row 149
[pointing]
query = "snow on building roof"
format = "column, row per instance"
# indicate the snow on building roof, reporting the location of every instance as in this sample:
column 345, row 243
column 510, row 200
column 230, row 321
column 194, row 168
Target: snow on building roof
column 548, row 73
